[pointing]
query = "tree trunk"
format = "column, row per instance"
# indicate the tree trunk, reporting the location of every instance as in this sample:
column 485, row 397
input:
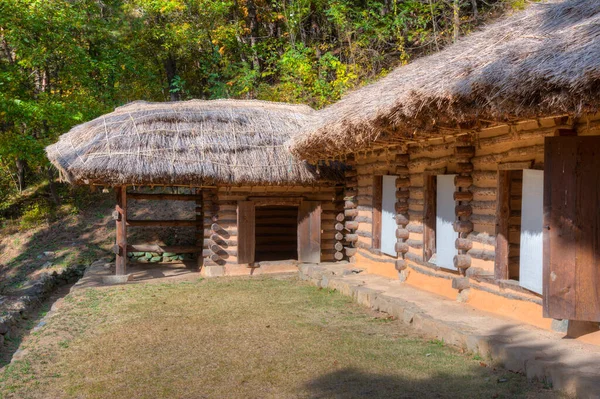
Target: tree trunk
column 475, row 11
column 456, row 19
column 52, row 185
column 254, row 32
column 21, row 164
column 171, row 69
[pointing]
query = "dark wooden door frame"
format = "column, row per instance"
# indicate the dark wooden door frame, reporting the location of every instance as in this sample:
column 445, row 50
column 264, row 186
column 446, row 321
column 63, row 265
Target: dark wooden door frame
column 376, row 217
column 429, row 214
column 501, row 271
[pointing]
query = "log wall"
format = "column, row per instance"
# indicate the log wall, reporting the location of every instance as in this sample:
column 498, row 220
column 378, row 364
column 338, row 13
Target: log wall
column 476, row 157
column 220, row 236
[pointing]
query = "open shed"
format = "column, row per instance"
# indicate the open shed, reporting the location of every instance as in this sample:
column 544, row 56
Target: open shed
column 255, row 202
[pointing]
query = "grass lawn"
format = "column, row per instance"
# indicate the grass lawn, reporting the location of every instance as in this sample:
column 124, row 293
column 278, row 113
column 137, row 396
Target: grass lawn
column 240, row 338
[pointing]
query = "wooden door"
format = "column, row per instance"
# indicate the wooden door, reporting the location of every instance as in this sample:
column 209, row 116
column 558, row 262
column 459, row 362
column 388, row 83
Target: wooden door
column 532, row 221
column 309, row 232
column 376, row 218
column 445, row 236
column 246, row 231
column 572, row 228
column 388, row 215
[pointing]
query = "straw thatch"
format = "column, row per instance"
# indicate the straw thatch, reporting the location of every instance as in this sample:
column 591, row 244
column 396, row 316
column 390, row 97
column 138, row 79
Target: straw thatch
column 188, row 143
column 541, row 61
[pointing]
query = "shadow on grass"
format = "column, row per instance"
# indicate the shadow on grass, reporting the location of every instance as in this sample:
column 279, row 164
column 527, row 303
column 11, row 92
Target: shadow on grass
column 350, row 383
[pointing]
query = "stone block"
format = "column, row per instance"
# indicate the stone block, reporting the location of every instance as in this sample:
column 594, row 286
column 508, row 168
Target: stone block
column 213, row 271
column 117, row 279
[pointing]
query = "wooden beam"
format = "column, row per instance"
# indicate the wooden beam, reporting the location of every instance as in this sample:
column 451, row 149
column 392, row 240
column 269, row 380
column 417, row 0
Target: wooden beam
column 274, row 201
column 121, row 227
column 164, row 197
column 164, row 223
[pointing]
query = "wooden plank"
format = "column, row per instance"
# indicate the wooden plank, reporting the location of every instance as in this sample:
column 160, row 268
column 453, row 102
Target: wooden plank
column 273, row 201
column 515, row 165
column 164, row 223
column 164, row 197
column 121, row 233
column 429, row 216
column 309, row 232
column 560, row 164
column 587, row 225
column 246, row 232
column 501, row 270
column 377, row 203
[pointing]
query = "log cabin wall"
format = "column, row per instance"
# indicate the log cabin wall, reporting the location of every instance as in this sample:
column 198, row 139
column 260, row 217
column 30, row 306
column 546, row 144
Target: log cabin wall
column 221, row 228
column 506, row 147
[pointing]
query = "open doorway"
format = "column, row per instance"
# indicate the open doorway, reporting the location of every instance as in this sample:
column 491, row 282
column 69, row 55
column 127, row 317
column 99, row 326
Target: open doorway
column 276, row 233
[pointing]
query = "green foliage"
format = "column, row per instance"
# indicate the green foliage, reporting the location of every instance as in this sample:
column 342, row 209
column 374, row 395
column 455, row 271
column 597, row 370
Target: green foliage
column 66, row 62
column 36, row 214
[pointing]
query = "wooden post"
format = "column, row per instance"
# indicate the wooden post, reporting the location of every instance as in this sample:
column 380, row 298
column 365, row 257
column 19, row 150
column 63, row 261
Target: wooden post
column 350, row 212
column 121, row 225
column 402, row 196
column 463, row 152
column 199, row 227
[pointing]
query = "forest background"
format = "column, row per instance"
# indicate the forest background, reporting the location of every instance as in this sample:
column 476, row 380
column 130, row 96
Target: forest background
column 63, row 62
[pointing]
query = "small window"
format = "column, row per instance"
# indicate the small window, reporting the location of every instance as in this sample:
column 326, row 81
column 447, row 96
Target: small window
column 438, row 233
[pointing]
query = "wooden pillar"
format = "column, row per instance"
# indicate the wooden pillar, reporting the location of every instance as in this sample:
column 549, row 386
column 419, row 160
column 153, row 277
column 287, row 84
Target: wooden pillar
column 120, row 216
column 350, row 212
column 402, row 217
column 464, row 152
column 199, row 228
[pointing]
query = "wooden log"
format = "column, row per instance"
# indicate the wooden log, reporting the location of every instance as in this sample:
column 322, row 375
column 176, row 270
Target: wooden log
column 401, row 207
column 463, row 196
column 461, row 283
column 402, row 194
column 164, row 223
column 402, row 159
column 482, row 254
column 401, row 247
column 350, row 251
column 463, row 210
column 351, row 183
column 350, row 204
column 402, row 220
column 464, row 167
column 464, row 152
column 463, row 244
column 401, row 264
column 338, row 246
column 463, row 226
column 402, row 170
column 164, row 197
column 339, row 236
column 339, row 226
column 462, row 262
column 340, row 217
column 350, row 213
column 351, row 237
column 402, row 234
column 338, row 256
column 351, row 173
column 463, row 181
column 351, row 225
column 403, row 182
column 350, row 193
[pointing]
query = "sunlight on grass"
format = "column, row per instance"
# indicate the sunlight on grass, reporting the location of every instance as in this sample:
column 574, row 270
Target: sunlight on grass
column 263, row 338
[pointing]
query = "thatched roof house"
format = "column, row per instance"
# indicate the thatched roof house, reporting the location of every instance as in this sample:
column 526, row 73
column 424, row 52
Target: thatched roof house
column 188, row 143
column 541, row 61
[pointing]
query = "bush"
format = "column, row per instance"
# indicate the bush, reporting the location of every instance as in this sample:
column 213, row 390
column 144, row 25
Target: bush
column 36, row 214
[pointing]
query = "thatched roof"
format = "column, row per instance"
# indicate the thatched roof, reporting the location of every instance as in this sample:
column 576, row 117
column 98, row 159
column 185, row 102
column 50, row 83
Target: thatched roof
column 541, row 61
column 188, row 143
